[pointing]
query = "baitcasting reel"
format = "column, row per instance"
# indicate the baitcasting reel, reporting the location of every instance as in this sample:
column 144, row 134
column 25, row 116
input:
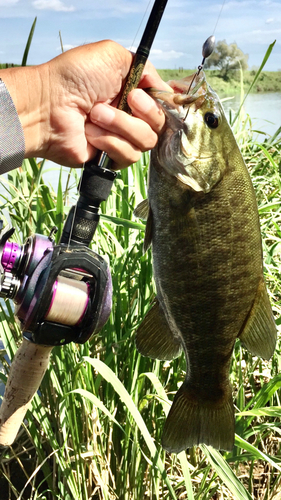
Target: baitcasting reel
column 61, row 293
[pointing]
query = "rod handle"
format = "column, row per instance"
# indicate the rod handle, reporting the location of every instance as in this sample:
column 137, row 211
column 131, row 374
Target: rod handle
column 27, row 370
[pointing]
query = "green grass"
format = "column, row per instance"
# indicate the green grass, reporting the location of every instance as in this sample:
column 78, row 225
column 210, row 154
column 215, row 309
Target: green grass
column 94, row 429
column 102, row 406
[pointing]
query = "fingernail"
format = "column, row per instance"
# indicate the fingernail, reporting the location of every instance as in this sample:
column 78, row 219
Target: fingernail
column 102, row 113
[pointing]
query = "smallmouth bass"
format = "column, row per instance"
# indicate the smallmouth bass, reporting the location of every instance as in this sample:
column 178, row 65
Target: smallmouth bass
column 203, row 224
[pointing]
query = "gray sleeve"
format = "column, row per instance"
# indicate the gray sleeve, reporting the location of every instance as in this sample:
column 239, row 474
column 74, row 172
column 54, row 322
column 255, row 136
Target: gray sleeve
column 12, row 145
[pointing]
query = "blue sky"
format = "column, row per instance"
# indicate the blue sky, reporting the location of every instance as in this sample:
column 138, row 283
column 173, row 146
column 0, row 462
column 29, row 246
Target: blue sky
column 252, row 24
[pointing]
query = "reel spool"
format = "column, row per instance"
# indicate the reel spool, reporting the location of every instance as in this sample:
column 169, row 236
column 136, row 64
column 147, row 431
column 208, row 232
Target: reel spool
column 69, row 301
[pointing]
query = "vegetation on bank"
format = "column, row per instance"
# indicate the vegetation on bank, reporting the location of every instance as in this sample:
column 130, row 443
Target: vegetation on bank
column 269, row 81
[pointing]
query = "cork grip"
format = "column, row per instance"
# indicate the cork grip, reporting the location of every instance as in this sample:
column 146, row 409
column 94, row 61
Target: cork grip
column 27, row 371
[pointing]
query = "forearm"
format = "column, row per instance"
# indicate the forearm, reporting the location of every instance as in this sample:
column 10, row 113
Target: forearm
column 27, row 92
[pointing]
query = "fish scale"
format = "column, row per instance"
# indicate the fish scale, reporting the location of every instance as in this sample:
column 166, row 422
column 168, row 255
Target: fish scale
column 202, row 221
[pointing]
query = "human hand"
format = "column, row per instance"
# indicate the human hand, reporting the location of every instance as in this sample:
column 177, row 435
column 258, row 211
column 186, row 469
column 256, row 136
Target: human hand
column 67, row 106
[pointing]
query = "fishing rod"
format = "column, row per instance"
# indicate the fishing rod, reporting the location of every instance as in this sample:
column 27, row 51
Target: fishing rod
column 98, row 176
column 62, row 293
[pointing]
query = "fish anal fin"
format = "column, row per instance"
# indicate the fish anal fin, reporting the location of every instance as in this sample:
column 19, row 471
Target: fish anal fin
column 191, row 422
column 259, row 334
column 154, row 337
column 143, row 211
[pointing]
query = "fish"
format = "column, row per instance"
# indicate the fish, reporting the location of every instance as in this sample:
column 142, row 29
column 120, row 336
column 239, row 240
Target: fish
column 203, row 226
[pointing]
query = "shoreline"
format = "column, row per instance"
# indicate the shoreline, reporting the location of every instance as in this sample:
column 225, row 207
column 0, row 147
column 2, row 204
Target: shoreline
column 269, row 81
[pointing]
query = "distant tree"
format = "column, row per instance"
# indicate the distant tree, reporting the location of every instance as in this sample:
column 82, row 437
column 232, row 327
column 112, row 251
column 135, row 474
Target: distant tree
column 227, row 57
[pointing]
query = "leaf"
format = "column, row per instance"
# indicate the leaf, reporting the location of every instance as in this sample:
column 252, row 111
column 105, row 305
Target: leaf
column 269, row 411
column 59, row 209
column 123, row 222
column 269, row 207
column 125, row 397
column 29, row 40
column 97, row 402
column 166, row 404
column 256, row 454
column 226, row 474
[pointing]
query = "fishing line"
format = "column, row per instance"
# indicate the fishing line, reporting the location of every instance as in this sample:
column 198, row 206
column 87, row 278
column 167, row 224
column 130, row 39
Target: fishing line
column 75, row 207
column 69, row 301
column 207, row 50
column 132, row 44
column 218, row 17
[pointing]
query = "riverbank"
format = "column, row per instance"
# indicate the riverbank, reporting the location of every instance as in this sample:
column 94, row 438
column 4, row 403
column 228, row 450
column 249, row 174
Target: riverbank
column 269, row 81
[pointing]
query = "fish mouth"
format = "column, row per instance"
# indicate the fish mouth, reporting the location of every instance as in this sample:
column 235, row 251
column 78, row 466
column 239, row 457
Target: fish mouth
column 185, row 92
column 189, row 89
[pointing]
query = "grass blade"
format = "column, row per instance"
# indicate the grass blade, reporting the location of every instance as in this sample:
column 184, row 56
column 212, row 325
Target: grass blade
column 256, row 454
column 267, row 54
column 125, row 397
column 29, row 40
column 226, row 474
column 97, row 402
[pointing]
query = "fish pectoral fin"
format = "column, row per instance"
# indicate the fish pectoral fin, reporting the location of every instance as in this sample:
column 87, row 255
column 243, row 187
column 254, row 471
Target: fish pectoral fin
column 192, row 421
column 143, row 211
column 148, row 232
column 259, row 334
column 154, row 337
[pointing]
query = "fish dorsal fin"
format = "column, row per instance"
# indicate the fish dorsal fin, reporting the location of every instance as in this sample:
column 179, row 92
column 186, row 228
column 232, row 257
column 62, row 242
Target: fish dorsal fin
column 259, row 333
column 143, row 211
column 154, row 337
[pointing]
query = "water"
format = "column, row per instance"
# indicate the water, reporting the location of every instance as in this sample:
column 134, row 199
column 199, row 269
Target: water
column 263, row 109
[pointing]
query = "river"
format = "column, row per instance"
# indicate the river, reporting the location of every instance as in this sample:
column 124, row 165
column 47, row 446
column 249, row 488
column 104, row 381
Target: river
column 263, row 109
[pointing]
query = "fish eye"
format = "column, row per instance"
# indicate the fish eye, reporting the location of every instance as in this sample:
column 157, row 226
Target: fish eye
column 211, row 120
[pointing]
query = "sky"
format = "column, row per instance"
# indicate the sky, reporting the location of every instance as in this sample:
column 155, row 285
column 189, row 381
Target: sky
column 252, row 24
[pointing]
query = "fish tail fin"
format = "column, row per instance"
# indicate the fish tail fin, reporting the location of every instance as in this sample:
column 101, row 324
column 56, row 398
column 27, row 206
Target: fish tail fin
column 191, row 422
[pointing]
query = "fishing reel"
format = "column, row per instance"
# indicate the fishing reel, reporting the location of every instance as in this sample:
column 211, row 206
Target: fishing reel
column 62, row 293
